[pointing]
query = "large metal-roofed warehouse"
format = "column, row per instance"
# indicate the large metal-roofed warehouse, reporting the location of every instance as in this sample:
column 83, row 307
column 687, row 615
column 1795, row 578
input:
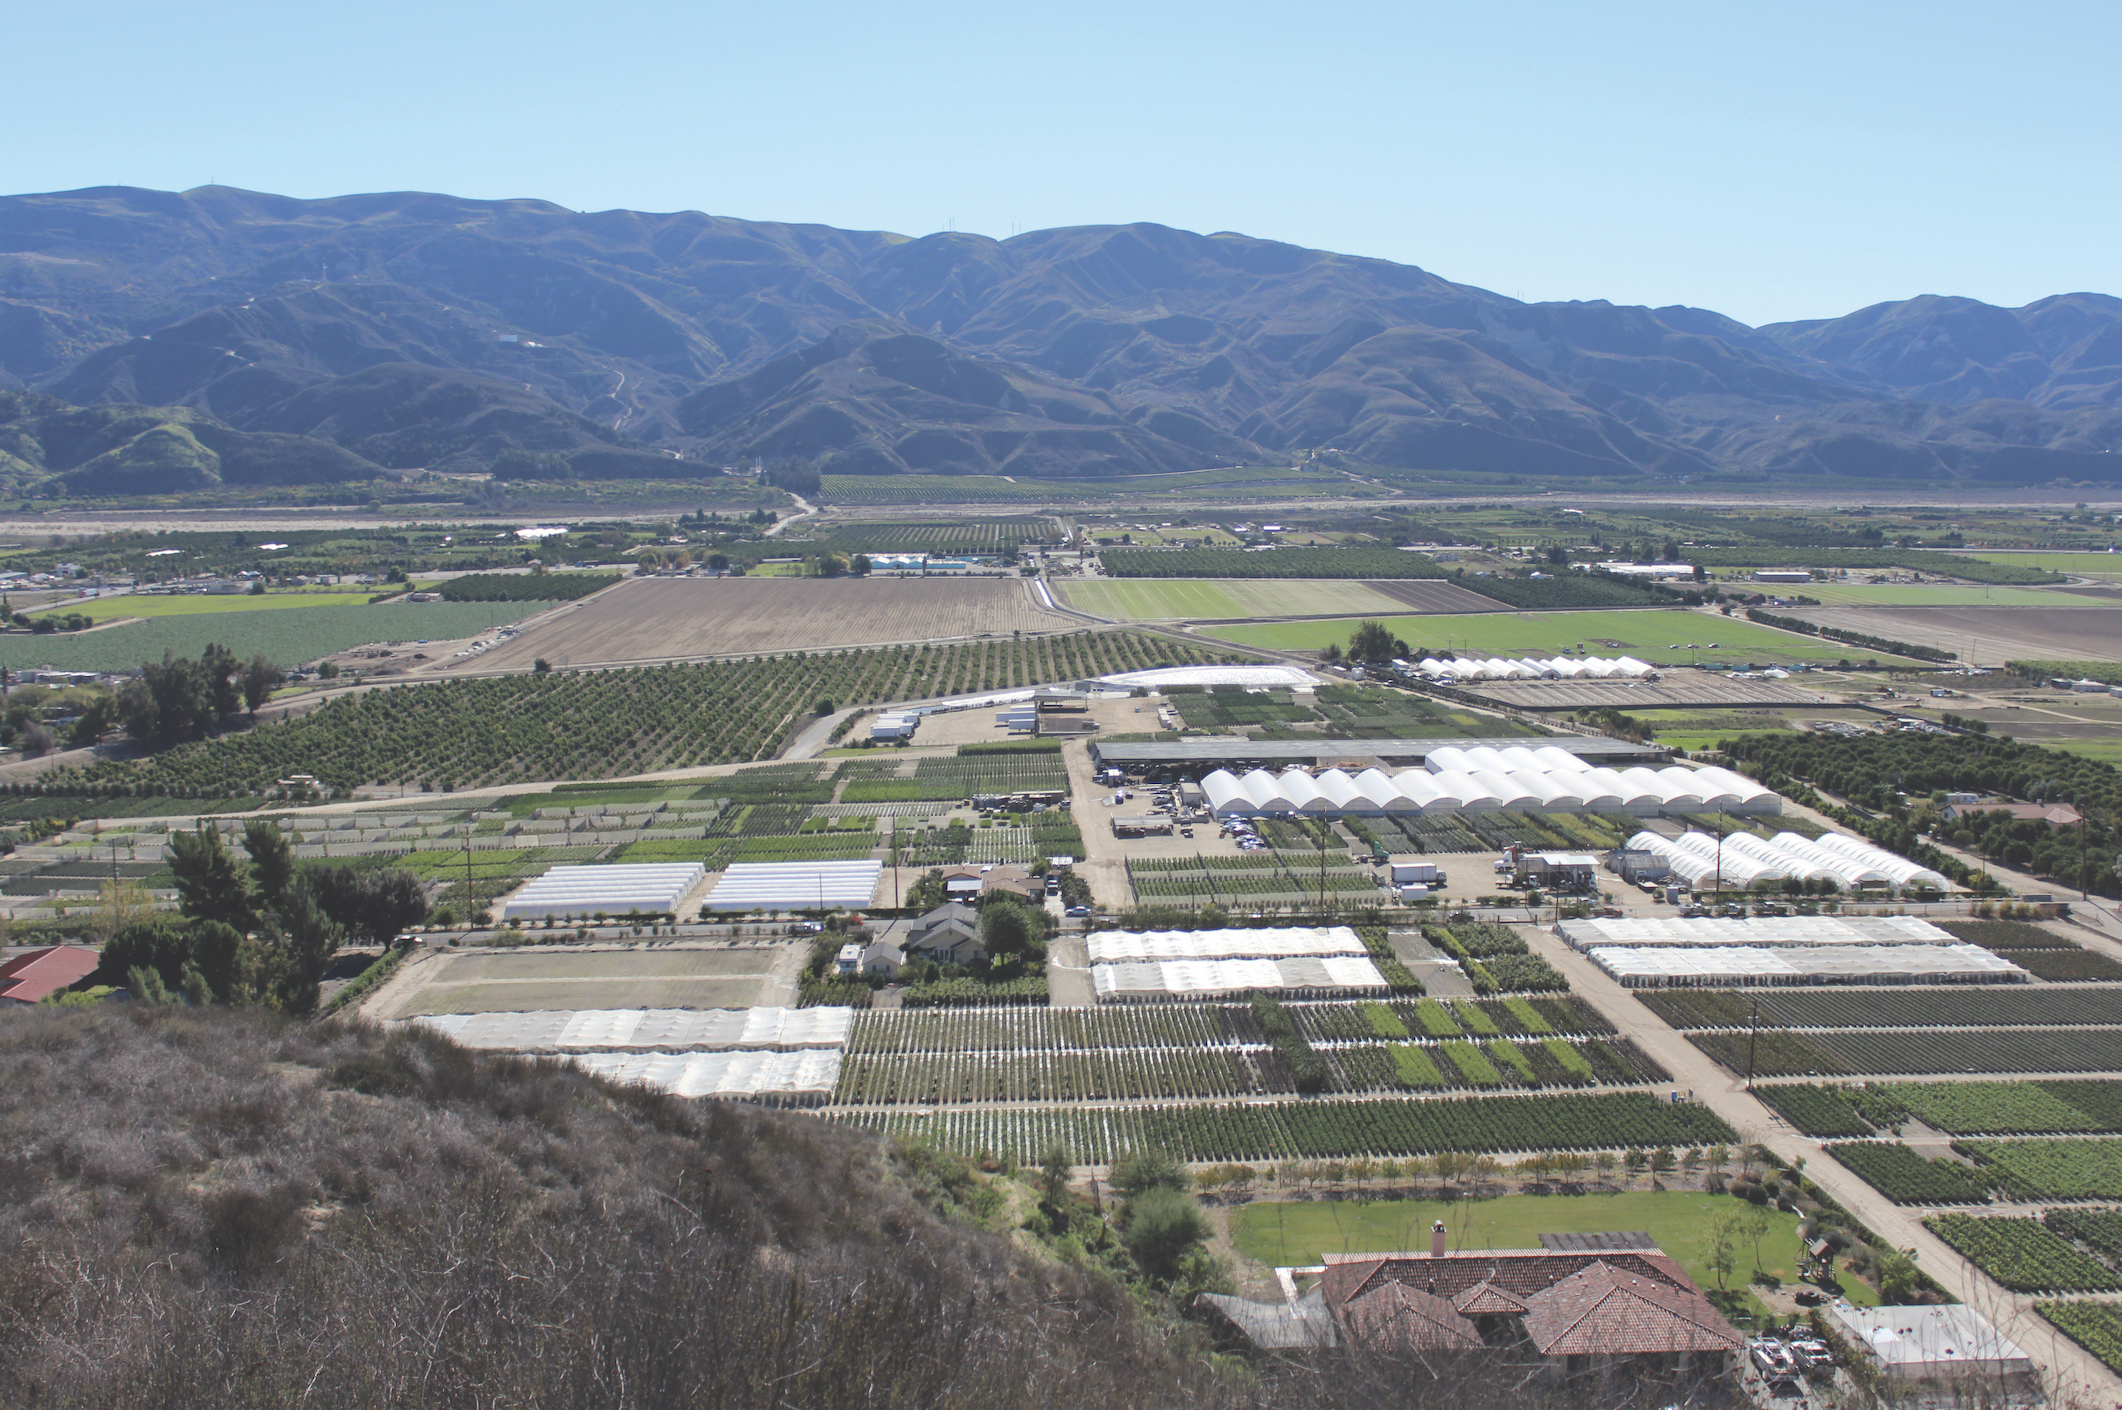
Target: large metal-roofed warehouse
column 645, row 888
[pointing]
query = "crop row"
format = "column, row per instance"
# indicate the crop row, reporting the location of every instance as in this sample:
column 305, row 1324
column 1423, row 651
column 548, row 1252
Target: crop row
column 2096, row 1326
column 1877, row 1008
column 2022, row 1255
column 1320, row 1129
column 1206, row 1025
column 869, row 1076
column 1893, row 1053
column 2058, row 1169
column 1907, row 1178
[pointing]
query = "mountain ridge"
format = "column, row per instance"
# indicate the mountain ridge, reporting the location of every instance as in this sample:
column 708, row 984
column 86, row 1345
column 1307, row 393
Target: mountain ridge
column 703, row 340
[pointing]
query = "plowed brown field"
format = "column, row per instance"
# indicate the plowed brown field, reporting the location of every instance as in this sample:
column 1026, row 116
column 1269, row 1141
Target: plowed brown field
column 666, row 619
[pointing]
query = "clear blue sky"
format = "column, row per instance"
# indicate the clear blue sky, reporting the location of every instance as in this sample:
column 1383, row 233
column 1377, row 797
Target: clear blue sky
column 1770, row 161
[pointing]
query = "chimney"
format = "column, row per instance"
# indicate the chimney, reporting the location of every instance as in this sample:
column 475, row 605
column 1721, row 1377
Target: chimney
column 1436, row 1239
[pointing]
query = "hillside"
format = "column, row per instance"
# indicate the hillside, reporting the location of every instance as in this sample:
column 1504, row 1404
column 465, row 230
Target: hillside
column 222, row 1207
column 224, row 1210
column 428, row 331
column 119, row 449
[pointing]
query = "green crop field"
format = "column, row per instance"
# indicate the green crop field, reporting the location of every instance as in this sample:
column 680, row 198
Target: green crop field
column 2091, row 565
column 1927, row 595
column 1651, row 633
column 1296, row 1235
column 1168, row 599
column 284, row 637
column 113, row 609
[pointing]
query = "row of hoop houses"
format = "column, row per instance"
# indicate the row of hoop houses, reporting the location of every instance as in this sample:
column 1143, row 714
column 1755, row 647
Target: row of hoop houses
column 1481, row 779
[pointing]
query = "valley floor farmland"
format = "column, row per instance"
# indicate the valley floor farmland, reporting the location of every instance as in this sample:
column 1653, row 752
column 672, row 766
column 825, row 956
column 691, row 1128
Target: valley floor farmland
column 662, row 619
column 1651, row 633
column 602, row 724
column 1997, row 634
column 1172, row 599
column 286, row 638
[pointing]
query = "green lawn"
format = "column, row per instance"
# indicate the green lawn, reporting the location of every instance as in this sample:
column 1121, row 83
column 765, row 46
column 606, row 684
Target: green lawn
column 1169, row 599
column 1297, row 1235
column 1650, row 633
column 1927, row 595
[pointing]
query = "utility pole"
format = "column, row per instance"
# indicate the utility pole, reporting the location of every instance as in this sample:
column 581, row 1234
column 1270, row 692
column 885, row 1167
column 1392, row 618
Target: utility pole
column 471, row 889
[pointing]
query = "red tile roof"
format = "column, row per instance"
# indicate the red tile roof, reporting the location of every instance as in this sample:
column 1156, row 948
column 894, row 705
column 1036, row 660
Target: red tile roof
column 1485, row 1299
column 1602, row 1310
column 30, row 976
column 1397, row 1316
column 1572, row 1303
column 1517, row 1271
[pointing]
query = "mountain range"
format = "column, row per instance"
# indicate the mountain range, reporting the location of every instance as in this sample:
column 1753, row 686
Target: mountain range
column 249, row 338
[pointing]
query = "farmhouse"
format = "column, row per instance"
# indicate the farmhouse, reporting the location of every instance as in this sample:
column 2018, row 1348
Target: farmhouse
column 1620, row 1312
column 950, row 933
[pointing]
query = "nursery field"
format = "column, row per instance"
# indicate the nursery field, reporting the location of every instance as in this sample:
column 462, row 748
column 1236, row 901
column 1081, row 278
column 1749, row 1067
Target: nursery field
column 1206, row 1051
column 1680, row 1222
column 1317, row 1129
column 1908, row 1052
column 1957, row 1108
column 1654, row 634
column 2096, row 1326
column 1172, row 599
column 2023, row 1255
column 665, row 619
column 604, row 724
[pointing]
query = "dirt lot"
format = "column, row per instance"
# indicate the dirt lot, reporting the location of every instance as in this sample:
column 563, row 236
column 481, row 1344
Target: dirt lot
column 664, row 619
column 513, row 981
column 1438, row 597
column 1998, row 634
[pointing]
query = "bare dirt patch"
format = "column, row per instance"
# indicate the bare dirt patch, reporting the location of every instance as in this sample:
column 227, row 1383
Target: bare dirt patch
column 665, row 619
column 1998, row 634
column 530, row 980
column 1426, row 596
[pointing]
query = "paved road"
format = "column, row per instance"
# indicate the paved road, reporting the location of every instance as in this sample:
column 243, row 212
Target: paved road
column 1104, row 862
column 2071, row 1368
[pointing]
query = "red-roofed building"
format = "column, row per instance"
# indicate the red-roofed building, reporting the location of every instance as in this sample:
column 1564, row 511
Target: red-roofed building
column 1623, row 1311
column 32, row 975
